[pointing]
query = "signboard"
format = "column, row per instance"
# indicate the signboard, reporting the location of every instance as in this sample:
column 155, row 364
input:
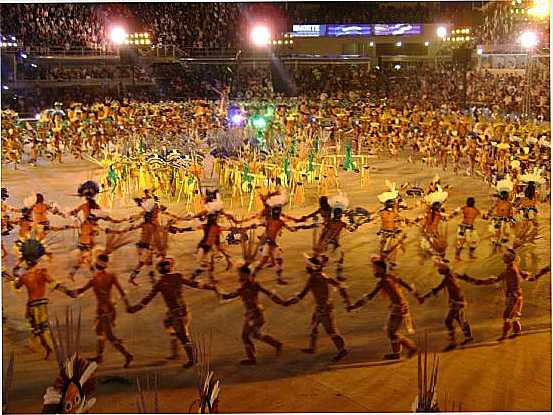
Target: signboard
column 397, row 29
column 338, row 30
column 308, row 30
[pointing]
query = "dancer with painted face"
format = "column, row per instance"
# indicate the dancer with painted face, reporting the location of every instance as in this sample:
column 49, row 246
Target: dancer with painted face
column 321, row 286
column 512, row 279
column 399, row 314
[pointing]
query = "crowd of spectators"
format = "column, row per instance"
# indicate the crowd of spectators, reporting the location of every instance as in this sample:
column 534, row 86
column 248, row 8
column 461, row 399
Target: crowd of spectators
column 502, row 92
column 204, row 25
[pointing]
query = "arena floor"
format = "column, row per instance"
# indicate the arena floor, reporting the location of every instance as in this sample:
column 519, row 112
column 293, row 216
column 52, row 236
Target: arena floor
column 511, row 376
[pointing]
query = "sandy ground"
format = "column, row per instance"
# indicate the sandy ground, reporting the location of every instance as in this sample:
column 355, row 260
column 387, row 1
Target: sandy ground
column 512, row 376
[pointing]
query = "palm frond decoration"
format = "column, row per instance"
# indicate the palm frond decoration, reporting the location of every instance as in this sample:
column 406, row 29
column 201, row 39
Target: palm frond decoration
column 208, row 386
column 144, row 385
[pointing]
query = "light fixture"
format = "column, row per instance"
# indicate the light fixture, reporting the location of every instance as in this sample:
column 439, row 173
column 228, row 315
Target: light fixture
column 291, row 42
column 34, row 65
column 528, row 40
column 260, row 35
column 118, row 35
column 479, row 51
column 5, row 87
column 371, row 44
column 397, row 67
column 441, row 32
column 279, row 42
column 427, row 43
column 398, row 44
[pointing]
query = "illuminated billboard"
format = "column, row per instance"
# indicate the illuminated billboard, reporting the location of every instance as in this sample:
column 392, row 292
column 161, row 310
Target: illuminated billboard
column 308, row 30
column 397, row 29
column 338, row 30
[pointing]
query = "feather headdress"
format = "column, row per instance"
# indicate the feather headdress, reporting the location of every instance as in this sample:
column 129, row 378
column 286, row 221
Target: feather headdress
column 505, row 185
column 29, row 201
column 439, row 196
column 148, row 205
column 279, row 199
column 215, row 205
column 535, row 177
column 392, row 194
column 339, row 201
column 73, row 388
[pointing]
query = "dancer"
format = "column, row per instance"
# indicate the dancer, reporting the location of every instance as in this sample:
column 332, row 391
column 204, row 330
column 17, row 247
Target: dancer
column 102, row 283
column 390, row 233
column 249, row 293
column 528, row 205
column 273, row 223
column 36, row 278
column 330, row 235
column 457, row 303
column 465, row 231
column 431, row 221
column 178, row 319
column 502, row 215
column 324, row 211
column 399, row 308
column 320, row 286
column 512, row 278
column 40, row 210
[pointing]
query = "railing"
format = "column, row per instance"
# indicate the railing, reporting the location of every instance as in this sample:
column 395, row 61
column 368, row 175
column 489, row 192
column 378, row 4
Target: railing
column 81, row 82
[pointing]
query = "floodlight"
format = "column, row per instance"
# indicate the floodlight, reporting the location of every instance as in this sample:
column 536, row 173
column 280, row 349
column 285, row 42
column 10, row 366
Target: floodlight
column 5, row 87
column 397, row 67
column 528, row 40
column 371, row 44
column 479, row 51
column 540, row 9
column 260, row 35
column 426, row 43
column 398, row 44
column 441, row 32
column 37, row 116
column 118, row 35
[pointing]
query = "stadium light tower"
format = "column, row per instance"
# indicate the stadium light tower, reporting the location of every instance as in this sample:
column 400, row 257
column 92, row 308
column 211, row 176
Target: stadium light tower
column 118, row 35
column 260, row 35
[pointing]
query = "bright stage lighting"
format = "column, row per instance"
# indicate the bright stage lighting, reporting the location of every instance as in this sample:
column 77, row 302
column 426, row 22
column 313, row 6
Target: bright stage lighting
column 259, row 122
column 441, row 32
column 528, row 40
column 540, row 9
column 118, row 35
column 260, row 35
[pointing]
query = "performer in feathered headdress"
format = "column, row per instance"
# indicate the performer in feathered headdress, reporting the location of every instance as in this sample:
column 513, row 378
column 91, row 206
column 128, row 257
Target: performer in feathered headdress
column 330, row 235
column 321, row 286
column 36, row 279
column 273, row 223
column 390, row 219
column 249, row 292
column 528, row 205
column 431, row 221
column 502, row 214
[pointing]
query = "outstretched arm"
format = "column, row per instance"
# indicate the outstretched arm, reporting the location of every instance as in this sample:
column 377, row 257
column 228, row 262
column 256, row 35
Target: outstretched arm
column 529, row 277
column 434, row 291
column 475, row 281
column 124, row 230
column 120, row 289
column 366, row 298
column 196, row 284
column 410, row 288
column 272, row 295
column 299, row 296
column 293, row 219
column 145, row 301
column 341, row 289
